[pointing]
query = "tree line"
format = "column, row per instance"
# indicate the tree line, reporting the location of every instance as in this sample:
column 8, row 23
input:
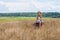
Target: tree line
column 30, row 14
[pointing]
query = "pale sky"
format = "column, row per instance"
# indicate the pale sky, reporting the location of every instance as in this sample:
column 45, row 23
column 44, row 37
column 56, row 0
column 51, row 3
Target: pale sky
column 29, row 5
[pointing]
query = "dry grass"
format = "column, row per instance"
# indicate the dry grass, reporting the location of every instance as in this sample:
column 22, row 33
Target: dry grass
column 24, row 30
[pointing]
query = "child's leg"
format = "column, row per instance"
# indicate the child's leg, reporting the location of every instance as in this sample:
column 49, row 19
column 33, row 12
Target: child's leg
column 42, row 22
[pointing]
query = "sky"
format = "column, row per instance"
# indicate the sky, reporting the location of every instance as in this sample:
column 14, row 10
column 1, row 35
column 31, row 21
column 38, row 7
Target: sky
column 29, row 5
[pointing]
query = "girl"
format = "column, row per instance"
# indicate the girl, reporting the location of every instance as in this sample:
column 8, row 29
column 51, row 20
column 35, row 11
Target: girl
column 39, row 19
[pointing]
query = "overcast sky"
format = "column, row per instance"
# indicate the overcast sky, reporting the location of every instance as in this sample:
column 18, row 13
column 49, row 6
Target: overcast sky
column 29, row 5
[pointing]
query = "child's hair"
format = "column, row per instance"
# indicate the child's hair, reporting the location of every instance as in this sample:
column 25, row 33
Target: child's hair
column 38, row 13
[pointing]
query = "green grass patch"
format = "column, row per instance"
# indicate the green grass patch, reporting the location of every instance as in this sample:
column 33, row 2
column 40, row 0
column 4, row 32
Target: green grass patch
column 8, row 19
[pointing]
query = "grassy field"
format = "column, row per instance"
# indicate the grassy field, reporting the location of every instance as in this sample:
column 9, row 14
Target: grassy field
column 22, row 28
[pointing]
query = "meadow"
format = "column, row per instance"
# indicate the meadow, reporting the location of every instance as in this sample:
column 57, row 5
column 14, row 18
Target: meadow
column 22, row 28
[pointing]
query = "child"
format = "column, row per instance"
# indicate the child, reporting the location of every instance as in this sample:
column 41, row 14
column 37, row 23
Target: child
column 39, row 19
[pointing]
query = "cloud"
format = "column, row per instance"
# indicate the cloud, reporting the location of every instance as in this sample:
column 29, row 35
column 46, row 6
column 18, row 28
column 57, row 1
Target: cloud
column 29, row 5
column 3, row 7
column 1, row 2
column 17, row 0
column 44, row 6
column 21, row 6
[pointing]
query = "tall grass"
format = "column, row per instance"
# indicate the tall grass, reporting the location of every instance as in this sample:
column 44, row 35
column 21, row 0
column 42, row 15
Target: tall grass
column 19, row 28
